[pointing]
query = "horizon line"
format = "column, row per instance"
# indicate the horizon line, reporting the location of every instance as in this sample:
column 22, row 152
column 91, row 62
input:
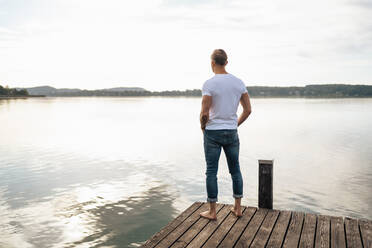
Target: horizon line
column 281, row 86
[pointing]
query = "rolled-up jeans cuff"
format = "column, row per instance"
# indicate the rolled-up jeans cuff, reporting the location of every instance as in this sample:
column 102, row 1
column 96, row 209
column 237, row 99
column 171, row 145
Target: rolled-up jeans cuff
column 211, row 199
column 237, row 196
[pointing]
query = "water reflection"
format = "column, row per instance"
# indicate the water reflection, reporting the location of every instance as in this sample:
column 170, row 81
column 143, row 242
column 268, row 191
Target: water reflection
column 127, row 221
column 90, row 172
column 100, row 214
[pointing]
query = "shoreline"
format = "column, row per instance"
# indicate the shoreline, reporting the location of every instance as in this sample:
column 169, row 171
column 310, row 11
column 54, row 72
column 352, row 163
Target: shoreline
column 188, row 96
column 292, row 97
column 20, row 97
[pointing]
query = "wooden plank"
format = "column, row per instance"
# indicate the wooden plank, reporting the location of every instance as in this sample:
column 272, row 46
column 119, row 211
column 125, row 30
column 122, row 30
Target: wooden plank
column 178, row 231
column 250, row 231
column 322, row 232
column 156, row 238
column 308, row 231
column 221, row 232
column 238, row 228
column 353, row 239
column 193, row 231
column 279, row 231
column 366, row 232
column 337, row 232
column 261, row 228
column 208, row 230
column 266, row 228
column 294, row 230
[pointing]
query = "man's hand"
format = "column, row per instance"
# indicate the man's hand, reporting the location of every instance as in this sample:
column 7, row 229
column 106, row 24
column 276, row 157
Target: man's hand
column 204, row 114
column 247, row 109
column 203, row 121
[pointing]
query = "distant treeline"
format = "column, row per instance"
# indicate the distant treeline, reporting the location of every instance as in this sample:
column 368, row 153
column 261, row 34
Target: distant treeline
column 131, row 93
column 5, row 91
column 319, row 90
column 324, row 90
column 316, row 90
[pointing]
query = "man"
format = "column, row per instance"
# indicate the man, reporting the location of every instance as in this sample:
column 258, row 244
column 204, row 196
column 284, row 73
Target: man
column 219, row 122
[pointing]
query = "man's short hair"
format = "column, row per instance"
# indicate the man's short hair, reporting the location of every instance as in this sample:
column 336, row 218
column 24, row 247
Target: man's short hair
column 219, row 56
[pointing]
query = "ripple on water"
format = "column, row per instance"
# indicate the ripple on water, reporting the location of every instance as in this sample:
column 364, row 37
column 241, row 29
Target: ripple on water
column 110, row 177
column 91, row 214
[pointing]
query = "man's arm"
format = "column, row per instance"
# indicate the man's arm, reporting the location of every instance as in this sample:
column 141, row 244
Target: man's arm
column 247, row 109
column 204, row 114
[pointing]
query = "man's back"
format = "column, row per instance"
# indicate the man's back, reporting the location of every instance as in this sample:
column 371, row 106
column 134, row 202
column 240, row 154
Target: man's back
column 221, row 97
column 226, row 91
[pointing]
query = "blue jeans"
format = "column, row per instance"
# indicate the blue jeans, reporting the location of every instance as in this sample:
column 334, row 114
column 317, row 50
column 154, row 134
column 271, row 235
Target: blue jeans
column 214, row 140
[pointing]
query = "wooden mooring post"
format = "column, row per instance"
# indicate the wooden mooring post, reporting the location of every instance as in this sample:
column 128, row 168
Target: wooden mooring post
column 265, row 184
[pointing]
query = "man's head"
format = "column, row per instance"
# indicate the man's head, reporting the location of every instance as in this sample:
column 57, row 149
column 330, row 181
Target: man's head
column 218, row 59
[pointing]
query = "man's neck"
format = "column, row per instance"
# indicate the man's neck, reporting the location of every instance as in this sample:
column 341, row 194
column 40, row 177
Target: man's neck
column 220, row 71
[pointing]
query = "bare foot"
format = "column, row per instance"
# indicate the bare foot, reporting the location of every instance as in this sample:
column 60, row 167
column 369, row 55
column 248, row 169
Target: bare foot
column 236, row 212
column 208, row 215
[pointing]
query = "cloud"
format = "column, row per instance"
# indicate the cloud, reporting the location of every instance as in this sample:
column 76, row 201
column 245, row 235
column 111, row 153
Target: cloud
column 173, row 3
column 7, row 31
column 363, row 3
column 89, row 44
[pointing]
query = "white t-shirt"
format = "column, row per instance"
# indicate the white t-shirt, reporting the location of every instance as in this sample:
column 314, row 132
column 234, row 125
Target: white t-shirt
column 226, row 91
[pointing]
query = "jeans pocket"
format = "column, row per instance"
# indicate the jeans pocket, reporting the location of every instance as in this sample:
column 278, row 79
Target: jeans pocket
column 209, row 143
column 233, row 138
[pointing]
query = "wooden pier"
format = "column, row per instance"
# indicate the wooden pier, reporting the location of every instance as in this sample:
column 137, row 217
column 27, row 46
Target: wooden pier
column 261, row 227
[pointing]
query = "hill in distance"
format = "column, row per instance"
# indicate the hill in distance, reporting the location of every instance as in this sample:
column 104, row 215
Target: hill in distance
column 51, row 91
column 121, row 89
column 313, row 91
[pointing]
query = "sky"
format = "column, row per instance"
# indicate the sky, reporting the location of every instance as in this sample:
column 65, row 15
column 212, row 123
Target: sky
column 166, row 44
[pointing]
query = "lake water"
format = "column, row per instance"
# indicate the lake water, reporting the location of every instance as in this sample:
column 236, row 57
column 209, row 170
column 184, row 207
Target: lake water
column 110, row 172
